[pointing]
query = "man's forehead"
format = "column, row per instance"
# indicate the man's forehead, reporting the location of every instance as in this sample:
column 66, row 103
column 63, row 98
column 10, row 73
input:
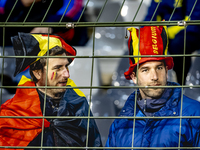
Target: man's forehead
column 58, row 57
column 58, row 60
column 151, row 63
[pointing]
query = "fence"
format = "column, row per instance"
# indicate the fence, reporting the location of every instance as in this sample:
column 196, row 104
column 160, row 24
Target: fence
column 102, row 60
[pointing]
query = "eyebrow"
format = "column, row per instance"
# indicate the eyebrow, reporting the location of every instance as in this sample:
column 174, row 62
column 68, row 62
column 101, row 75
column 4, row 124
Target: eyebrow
column 56, row 66
column 143, row 68
column 146, row 67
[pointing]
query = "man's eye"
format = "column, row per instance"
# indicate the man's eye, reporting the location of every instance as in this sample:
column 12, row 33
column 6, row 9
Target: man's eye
column 145, row 70
column 57, row 68
column 159, row 68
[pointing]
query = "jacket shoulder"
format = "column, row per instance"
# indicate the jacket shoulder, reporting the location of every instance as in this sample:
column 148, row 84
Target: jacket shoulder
column 190, row 106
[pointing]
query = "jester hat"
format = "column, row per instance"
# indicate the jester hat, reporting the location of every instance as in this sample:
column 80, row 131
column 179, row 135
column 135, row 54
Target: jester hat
column 26, row 44
column 152, row 40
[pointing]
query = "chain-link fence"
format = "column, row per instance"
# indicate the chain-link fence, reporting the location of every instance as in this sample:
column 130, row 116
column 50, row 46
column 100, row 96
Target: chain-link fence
column 98, row 30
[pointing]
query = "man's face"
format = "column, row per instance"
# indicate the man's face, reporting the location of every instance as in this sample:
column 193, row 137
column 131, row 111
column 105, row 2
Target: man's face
column 57, row 75
column 152, row 73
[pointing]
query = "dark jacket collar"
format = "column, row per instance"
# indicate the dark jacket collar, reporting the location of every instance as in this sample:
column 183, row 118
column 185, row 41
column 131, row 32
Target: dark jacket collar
column 169, row 109
column 150, row 106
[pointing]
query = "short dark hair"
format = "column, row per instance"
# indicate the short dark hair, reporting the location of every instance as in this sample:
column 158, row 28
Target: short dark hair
column 41, row 63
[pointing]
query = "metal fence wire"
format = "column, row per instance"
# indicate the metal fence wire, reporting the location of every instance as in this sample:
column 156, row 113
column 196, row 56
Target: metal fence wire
column 100, row 63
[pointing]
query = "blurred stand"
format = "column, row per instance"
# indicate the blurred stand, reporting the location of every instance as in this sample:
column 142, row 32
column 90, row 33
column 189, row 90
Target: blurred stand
column 7, row 69
column 82, row 70
column 109, row 41
column 193, row 78
column 43, row 11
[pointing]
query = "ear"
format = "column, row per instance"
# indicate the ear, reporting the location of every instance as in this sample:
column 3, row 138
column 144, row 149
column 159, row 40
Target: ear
column 133, row 77
column 37, row 74
column 166, row 69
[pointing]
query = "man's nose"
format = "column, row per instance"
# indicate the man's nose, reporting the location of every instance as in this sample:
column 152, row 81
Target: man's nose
column 65, row 73
column 154, row 75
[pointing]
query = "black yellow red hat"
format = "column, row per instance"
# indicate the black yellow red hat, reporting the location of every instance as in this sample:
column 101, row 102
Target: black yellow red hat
column 26, row 44
column 153, row 41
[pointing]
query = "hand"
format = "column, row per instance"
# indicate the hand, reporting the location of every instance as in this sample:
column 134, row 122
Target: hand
column 42, row 30
column 27, row 3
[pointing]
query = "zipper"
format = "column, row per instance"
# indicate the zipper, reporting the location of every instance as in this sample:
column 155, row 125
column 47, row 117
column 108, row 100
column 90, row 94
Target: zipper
column 145, row 104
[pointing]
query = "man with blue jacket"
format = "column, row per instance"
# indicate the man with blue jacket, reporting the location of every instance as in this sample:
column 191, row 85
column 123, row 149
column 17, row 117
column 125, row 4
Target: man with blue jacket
column 157, row 114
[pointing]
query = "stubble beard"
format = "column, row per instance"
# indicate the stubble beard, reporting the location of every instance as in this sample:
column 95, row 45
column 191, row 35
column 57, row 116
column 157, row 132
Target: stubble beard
column 54, row 92
column 152, row 93
column 57, row 92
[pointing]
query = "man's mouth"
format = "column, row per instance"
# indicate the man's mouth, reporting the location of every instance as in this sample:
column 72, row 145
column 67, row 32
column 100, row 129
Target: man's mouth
column 62, row 83
column 157, row 84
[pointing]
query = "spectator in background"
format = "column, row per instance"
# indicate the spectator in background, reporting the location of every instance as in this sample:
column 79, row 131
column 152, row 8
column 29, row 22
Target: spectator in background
column 168, row 103
column 40, row 101
column 176, row 33
column 76, row 36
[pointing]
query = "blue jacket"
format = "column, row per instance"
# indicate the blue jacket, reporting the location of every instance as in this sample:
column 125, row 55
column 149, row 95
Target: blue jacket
column 152, row 132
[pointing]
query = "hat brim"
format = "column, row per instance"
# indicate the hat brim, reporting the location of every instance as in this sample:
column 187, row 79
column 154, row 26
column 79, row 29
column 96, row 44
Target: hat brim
column 168, row 60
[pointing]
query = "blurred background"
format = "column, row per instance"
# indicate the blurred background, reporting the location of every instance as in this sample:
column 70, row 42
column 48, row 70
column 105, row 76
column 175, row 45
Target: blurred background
column 101, row 41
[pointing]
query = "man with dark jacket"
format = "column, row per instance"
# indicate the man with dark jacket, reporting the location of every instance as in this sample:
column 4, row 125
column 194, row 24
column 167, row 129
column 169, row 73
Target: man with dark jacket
column 47, row 102
column 155, row 115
